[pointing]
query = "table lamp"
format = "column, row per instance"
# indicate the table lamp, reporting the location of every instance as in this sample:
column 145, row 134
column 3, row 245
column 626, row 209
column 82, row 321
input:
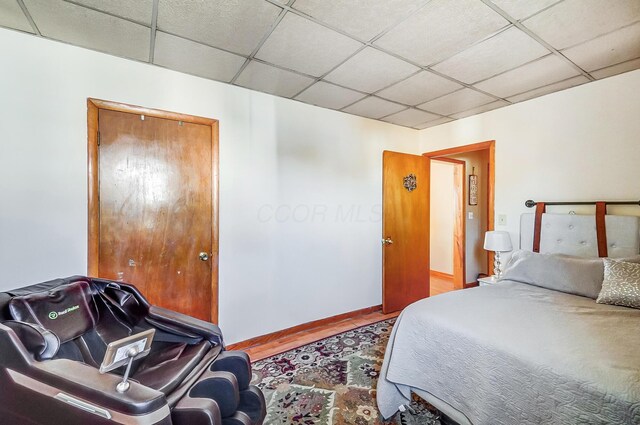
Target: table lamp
column 497, row 241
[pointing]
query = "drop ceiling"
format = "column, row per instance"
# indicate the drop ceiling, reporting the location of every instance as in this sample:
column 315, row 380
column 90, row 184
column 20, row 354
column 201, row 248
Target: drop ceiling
column 415, row 63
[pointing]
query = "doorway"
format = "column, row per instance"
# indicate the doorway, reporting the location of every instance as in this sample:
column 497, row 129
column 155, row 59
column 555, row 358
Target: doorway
column 459, row 218
column 447, row 225
column 153, row 204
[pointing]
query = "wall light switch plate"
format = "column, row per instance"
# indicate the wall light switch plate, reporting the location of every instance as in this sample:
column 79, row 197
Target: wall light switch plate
column 502, row 219
column 470, row 215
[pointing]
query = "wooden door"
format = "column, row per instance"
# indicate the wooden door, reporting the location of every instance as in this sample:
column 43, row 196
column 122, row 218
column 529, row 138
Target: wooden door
column 155, row 208
column 405, row 230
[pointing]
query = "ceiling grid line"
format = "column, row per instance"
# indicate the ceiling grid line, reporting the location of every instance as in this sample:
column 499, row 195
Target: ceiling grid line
column 366, row 43
column 222, row 49
column 602, row 35
column 321, row 78
column 291, row 9
column 379, row 55
column 369, row 43
column 29, row 17
column 105, row 12
column 262, row 40
column 426, row 68
column 154, row 30
column 533, row 35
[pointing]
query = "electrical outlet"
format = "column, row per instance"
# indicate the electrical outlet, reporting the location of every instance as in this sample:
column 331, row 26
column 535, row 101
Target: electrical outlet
column 502, row 219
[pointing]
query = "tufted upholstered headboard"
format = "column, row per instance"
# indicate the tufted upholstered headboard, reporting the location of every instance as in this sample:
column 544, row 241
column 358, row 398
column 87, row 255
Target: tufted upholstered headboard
column 574, row 234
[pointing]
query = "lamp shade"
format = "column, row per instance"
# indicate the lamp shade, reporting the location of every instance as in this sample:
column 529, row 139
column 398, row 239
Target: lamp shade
column 497, row 241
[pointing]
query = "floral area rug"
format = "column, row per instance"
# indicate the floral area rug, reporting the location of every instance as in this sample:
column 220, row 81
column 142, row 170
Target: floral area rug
column 332, row 382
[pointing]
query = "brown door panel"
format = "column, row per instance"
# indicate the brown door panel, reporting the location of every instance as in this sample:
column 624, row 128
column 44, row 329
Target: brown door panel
column 405, row 274
column 155, row 218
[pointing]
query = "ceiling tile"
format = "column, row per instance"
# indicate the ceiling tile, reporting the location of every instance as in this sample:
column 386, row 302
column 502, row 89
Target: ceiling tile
column 11, row 16
column 615, row 47
column 371, row 70
column 419, row 88
column 269, row 79
column 442, row 29
column 232, row 25
column 541, row 72
column 329, row 96
column 139, row 10
column 561, row 85
column 484, row 108
column 573, row 21
column 363, row 19
column 410, row 117
column 460, row 100
column 373, row 107
column 187, row 56
column 502, row 52
column 432, row 123
column 521, row 9
column 87, row 28
column 616, row 69
column 304, row 46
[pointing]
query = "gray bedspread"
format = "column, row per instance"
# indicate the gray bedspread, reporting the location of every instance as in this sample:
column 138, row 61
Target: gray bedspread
column 512, row 353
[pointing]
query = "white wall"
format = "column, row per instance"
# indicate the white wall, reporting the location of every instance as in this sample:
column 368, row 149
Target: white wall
column 442, row 216
column 277, row 156
column 579, row 144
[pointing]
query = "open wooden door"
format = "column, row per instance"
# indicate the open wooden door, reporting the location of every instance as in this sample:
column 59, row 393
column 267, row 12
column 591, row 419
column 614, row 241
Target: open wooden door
column 405, row 229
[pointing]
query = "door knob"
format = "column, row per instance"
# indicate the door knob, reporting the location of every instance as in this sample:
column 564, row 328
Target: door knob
column 203, row 256
column 387, row 241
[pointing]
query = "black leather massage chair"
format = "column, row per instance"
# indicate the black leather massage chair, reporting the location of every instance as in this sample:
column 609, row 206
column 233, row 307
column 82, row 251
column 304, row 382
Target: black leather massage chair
column 53, row 337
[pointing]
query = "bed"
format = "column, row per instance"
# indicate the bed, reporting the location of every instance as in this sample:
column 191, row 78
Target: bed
column 517, row 352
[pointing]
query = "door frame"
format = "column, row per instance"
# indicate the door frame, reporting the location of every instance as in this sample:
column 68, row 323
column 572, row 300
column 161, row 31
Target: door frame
column 93, row 244
column 460, row 224
column 489, row 145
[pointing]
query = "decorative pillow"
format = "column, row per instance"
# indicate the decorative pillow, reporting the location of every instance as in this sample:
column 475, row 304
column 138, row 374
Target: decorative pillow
column 560, row 272
column 621, row 285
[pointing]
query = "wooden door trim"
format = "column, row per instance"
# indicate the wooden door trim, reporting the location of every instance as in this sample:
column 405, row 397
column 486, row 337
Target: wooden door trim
column 489, row 145
column 459, row 229
column 462, row 149
column 450, row 160
column 157, row 113
column 93, row 244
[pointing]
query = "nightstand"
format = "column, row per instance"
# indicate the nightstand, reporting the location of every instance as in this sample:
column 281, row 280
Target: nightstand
column 489, row 280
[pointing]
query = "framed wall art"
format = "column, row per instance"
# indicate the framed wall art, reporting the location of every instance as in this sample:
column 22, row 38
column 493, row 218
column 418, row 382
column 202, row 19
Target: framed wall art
column 473, row 187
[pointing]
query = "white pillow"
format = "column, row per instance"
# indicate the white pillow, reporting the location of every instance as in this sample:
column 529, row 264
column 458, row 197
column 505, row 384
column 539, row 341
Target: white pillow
column 564, row 273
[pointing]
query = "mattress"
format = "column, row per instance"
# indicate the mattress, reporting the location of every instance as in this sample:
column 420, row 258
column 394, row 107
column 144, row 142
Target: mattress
column 512, row 353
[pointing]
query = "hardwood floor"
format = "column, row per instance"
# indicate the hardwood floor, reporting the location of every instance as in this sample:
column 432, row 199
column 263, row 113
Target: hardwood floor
column 308, row 336
column 440, row 284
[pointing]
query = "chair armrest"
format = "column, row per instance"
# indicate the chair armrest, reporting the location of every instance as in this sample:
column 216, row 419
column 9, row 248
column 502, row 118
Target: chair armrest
column 191, row 325
column 87, row 383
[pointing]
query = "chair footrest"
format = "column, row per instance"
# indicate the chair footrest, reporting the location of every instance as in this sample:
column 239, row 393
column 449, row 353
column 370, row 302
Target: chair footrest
column 239, row 418
column 222, row 387
column 196, row 411
column 236, row 362
column 252, row 403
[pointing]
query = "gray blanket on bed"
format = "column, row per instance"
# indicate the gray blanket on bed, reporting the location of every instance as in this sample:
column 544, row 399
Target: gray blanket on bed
column 512, row 353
